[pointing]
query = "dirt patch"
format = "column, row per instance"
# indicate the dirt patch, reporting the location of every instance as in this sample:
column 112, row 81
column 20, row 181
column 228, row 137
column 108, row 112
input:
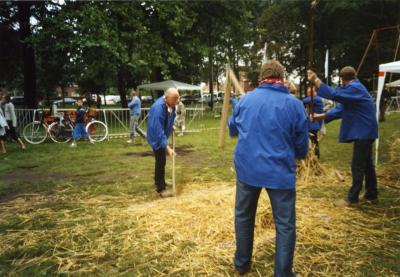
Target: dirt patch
column 139, row 154
column 26, row 175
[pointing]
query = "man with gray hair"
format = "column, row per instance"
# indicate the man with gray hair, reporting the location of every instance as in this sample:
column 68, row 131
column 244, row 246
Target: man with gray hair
column 159, row 127
column 272, row 128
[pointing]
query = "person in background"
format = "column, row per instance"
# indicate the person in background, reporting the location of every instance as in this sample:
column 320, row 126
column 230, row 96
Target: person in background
column 359, row 126
column 3, row 130
column 272, row 128
column 159, row 127
column 385, row 97
column 180, row 117
column 292, row 88
column 316, row 106
column 135, row 109
column 79, row 129
column 233, row 101
column 11, row 118
column 328, row 104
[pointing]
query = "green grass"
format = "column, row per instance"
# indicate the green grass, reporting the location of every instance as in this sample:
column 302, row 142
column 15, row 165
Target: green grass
column 116, row 169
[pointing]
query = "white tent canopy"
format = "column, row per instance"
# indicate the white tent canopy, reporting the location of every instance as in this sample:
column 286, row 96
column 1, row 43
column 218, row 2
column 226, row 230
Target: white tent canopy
column 393, row 67
column 169, row 84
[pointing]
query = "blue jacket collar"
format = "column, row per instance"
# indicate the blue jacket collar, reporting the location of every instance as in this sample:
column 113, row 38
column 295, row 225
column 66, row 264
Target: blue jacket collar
column 276, row 87
column 354, row 82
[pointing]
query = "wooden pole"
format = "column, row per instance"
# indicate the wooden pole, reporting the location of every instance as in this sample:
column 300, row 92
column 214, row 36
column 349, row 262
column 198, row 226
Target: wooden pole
column 366, row 51
column 225, row 108
column 173, row 164
column 396, row 50
column 235, row 82
column 311, row 50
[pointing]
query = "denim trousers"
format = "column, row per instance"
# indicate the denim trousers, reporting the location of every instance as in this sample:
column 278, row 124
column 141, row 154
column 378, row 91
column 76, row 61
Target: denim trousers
column 134, row 127
column 283, row 209
column 79, row 131
column 362, row 167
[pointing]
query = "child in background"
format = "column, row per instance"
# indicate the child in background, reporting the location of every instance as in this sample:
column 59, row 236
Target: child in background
column 79, row 129
column 180, row 117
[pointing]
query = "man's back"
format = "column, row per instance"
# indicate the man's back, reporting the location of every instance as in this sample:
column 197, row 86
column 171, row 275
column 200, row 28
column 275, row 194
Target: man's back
column 272, row 129
column 159, row 124
column 357, row 111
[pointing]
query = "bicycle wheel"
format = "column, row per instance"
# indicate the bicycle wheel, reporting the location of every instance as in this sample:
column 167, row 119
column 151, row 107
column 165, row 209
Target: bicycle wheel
column 60, row 133
column 97, row 130
column 35, row 132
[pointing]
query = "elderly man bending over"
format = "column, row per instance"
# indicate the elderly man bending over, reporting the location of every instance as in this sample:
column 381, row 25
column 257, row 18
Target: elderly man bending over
column 159, row 128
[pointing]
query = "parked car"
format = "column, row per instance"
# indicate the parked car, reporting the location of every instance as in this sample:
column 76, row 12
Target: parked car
column 18, row 100
column 110, row 99
column 66, row 100
column 218, row 97
column 187, row 99
column 146, row 98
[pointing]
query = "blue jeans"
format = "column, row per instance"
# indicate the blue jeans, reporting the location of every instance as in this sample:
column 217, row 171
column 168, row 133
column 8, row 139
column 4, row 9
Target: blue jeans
column 79, row 131
column 283, row 209
column 134, row 126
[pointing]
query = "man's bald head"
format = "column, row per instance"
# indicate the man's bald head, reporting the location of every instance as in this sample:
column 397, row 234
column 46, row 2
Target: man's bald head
column 171, row 97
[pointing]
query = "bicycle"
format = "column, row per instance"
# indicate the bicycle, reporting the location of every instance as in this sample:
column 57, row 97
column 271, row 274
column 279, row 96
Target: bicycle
column 61, row 132
column 36, row 132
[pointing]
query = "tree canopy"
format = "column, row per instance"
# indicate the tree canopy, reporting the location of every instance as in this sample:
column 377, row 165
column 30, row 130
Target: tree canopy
column 98, row 45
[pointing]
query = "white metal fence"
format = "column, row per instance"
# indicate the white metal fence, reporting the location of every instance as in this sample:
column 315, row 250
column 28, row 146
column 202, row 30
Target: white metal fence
column 393, row 104
column 117, row 120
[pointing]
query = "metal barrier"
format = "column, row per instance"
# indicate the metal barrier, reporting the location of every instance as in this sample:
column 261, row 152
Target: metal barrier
column 393, row 104
column 117, row 120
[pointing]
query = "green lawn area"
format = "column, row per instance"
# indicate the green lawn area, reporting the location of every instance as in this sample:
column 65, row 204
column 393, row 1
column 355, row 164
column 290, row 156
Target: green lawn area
column 93, row 211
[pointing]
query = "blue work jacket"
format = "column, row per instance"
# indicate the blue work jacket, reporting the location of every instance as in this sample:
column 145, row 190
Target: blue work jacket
column 159, row 124
column 357, row 111
column 318, row 107
column 135, row 106
column 273, row 133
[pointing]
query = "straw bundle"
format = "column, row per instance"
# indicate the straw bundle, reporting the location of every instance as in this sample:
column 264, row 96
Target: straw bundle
column 193, row 234
column 391, row 171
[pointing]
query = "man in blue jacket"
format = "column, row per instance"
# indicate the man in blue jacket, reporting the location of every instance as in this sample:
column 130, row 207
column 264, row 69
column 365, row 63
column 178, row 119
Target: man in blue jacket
column 159, row 127
column 359, row 125
column 272, row 129
column 314, row 126
column 135, row 109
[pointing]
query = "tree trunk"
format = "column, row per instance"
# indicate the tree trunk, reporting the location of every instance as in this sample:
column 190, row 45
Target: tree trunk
column 28, row 55
column 211, row 78
column 63, row 94
column 121, row 88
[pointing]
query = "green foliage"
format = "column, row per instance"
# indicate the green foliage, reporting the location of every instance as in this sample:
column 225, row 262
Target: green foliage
column 103, row 44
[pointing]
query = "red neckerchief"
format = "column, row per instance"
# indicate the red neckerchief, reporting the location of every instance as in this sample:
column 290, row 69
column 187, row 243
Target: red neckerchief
column 271, row 81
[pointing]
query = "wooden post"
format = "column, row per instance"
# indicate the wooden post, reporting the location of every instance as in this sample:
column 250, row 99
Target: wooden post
column 311, row 50
column 173, row 164
column 225, row 108
column 366, row 51
column 396, row 50
column 230, row 80
column 235, row 82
